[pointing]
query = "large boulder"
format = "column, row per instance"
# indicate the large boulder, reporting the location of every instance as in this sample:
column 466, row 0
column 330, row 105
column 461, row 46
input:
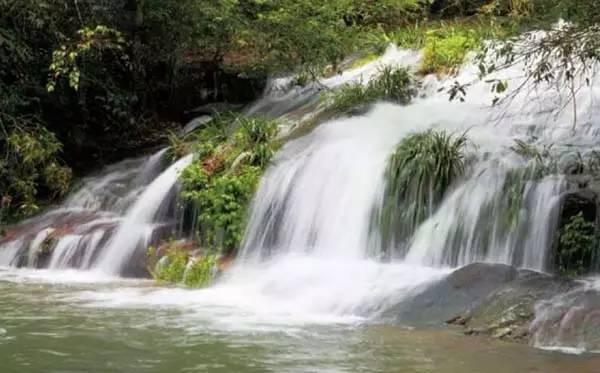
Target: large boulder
column 509, row 311
column 461, row 290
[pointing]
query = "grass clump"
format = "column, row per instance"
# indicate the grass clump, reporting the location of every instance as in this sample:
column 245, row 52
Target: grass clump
column 176, row 265
column 444, row 52
column 418, row 175
column 394, row 84
column 171, row 267
column 200, row 271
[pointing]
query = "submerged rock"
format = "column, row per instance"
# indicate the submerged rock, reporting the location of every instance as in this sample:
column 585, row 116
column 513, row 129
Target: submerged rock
column 505, row 303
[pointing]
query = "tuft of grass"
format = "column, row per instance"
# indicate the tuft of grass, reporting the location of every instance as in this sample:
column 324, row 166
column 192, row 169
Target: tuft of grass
column 418, row 175
column 394, row 84
column 350, row 96
column 200, row 271
column 171, row 267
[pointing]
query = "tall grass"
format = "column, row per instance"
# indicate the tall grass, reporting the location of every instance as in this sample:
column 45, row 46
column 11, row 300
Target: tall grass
column 418, row 174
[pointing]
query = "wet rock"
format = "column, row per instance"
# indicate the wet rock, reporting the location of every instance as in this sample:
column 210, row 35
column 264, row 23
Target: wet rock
column 508, row 312
column 451, row 296
column 569, row 320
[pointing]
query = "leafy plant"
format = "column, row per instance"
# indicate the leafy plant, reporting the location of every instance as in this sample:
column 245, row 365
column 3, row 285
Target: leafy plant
column 221, row 184
column 171, row 267
column 222, row 202
column 578, row 246
column 446, row 50
column 66, row 58
column 29, row 167
column 200, row 271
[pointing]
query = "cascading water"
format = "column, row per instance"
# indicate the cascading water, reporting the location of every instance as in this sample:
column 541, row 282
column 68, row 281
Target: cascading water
column 120, row 205
column 313, row 212
column 312, row 246
column 137, row 226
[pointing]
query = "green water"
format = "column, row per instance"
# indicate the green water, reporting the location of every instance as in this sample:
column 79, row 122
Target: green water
column 56, row 327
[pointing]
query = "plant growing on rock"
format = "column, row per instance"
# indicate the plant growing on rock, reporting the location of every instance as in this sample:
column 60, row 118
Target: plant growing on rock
column 171, row 267
column 199, row 272
column 418, row 175
column 394, row 84
column 174, row 263
column 578, row 247
column 220, row 185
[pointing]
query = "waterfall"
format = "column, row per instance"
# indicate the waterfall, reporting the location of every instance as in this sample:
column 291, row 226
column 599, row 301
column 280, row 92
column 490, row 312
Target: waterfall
column 103, row 223
column 320, row 198
column 313, row 249
column 137, row 227
column 320, row 195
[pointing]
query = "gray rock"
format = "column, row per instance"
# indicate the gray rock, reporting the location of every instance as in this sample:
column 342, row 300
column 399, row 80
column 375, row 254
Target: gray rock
column 508, row 312
column 461, row 290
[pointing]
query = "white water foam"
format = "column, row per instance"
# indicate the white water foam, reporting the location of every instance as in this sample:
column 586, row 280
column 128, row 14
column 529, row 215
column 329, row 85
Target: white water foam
column 135, row 229
column 292, row 290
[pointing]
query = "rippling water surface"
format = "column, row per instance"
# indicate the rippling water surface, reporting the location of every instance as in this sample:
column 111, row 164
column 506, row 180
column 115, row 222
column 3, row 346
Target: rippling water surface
column 71, row 322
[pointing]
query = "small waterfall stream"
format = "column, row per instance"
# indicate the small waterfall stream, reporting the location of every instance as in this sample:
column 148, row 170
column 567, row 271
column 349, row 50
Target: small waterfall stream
column 137, row 226
column 103, row 223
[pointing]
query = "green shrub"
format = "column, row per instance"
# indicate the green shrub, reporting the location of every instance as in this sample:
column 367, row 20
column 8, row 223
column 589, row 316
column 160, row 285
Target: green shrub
column 418, row 175
column 222, row 204
column 171, row 267
column 444, row 52
column 30, row 170
column 445, row 44
column 578, row 247
column 200, row 271
column 221, row 184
